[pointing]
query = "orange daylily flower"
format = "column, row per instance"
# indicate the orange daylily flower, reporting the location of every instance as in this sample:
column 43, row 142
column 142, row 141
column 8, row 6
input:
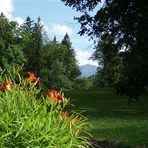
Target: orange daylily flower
column 6, row 86
column 64, row 114
column 54, row 95
column 74, row 119
column 32, row 77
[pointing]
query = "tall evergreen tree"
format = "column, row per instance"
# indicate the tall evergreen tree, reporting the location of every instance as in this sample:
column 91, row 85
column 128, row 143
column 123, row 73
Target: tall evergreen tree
column 33, row 44
column 55, row 39
column 37, row 37
column 66, row 41
column 27, row 41
column 72, row 69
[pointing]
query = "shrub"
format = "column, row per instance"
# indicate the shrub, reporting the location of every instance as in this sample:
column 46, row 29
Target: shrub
column 31, row 119
column 83, row 83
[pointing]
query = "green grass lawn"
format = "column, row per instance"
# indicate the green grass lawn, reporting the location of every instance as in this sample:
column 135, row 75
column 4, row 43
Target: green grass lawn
column 111, row 116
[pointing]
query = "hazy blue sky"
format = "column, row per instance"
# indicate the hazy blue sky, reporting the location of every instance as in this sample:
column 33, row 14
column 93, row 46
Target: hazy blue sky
column 57, row 19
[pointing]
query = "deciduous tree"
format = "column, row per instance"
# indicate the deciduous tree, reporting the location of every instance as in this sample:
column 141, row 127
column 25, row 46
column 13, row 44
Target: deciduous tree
column 126, row 23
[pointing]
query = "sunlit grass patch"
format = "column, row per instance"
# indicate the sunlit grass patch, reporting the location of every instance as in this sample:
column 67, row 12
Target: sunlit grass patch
column 111, row 116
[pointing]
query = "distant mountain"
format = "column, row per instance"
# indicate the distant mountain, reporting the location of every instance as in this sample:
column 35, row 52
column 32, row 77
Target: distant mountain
column 87, row 70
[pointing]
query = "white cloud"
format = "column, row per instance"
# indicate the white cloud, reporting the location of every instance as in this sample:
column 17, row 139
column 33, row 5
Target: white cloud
column 6, row 6
column 59, row 29
column 19, row 20
column 45, row 27
column 83, row 57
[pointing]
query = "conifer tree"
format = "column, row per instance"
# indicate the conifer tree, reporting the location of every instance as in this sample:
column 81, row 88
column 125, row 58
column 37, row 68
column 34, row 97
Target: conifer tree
column 72, row 69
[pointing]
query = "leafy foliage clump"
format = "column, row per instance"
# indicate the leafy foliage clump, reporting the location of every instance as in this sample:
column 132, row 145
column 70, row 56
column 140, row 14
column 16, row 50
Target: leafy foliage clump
column 29, row 118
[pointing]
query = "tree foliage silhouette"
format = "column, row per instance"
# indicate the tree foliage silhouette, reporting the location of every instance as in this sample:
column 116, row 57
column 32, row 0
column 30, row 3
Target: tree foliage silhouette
column 126, row 23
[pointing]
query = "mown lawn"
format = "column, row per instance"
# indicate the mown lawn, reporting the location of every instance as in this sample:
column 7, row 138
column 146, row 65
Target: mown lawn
column 111, row 116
